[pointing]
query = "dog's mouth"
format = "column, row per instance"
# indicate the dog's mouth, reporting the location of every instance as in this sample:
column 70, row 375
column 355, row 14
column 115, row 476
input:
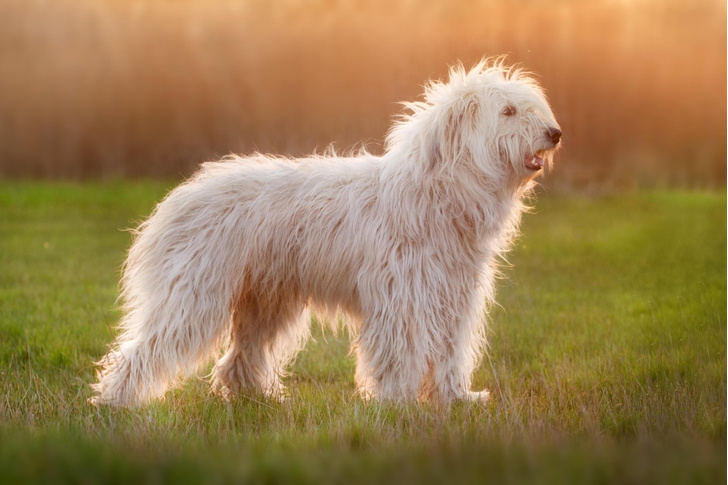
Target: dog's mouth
column 534, row 162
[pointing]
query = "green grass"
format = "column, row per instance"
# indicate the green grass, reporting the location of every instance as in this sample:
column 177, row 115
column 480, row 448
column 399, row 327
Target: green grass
column 607, row 361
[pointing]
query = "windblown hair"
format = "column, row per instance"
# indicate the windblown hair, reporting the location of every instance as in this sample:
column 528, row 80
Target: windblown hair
column 404, row 245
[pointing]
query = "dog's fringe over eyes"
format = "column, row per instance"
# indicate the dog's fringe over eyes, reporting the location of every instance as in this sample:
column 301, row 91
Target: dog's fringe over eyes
column 404, row 245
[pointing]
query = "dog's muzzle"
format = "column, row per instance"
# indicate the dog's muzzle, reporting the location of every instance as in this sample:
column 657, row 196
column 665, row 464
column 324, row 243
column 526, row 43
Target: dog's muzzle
column 535, row 162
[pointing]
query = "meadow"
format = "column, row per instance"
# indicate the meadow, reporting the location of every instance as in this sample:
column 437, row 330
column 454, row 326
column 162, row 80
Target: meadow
column 607, row 360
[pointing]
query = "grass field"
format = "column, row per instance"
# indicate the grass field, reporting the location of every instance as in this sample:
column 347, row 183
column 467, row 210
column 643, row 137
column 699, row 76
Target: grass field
column 607, row 361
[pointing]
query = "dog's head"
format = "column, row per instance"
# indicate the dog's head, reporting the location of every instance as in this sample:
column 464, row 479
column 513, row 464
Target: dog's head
column 492, row 118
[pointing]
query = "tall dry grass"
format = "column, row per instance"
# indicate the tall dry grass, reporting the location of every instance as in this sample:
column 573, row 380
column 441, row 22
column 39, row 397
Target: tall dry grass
column 153, row 87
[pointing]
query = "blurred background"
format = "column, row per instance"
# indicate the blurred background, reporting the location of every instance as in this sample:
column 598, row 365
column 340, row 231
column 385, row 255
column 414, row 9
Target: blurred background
column 151, row 88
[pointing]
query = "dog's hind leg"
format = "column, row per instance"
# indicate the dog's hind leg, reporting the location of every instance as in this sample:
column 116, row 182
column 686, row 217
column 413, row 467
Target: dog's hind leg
column 163, row 339
column 266, row 334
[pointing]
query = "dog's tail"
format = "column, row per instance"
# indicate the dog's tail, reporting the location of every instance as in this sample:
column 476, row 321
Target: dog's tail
column 176, row 288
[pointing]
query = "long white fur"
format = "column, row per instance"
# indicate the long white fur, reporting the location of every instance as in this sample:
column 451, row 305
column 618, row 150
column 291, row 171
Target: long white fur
column 405, row 245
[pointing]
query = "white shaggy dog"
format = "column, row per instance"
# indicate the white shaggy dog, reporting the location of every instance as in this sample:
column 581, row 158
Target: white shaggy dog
column 404, row 245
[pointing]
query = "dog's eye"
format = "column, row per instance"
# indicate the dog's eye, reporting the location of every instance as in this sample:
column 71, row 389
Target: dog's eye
column 509, row 111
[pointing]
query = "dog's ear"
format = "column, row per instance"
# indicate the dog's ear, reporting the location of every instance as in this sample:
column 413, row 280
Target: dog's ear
column 447, row 144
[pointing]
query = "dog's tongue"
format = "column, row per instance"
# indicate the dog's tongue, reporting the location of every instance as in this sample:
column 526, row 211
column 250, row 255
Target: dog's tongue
column 534, row 163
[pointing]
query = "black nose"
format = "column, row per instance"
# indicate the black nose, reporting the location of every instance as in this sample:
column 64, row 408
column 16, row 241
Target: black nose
column 554, row 134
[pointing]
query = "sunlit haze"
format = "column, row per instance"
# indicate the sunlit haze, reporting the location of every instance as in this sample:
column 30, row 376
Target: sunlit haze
column 113, row 88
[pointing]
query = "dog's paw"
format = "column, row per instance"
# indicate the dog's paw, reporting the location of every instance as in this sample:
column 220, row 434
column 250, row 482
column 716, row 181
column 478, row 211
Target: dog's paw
column 278, row 394
column 224, row 392
column 478, row 397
